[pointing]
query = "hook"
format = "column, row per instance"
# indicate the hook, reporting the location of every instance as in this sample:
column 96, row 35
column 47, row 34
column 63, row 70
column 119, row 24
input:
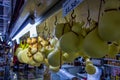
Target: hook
column 43, row 33
column 48, row 34
column 38, row 33
column 45, row 27
column 55, row 23
column 88, row 17
column 100, row 7
column 103, row 1
column 73, row 16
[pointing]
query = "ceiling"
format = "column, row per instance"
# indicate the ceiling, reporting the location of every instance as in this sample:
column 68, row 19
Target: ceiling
column 15, row 14
column 35, row 11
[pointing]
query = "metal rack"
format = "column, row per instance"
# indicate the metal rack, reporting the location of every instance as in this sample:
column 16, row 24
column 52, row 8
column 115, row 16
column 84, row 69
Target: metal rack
column 111, row 66
column 4, row 62
column 2, row 68
column 112, row 60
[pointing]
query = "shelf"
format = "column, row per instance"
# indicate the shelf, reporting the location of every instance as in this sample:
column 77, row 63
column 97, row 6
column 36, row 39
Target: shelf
column 111, row 66
column 111, row 59
column 118, row 55
column 84, row 75
column 97, row 58
column 67, row 66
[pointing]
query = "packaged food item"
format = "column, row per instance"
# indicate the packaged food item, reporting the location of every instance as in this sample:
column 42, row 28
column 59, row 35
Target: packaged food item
column 112, row 77
column 117, row 77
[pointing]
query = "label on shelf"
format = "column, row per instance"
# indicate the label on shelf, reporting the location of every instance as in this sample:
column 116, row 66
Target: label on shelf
column 69, row 5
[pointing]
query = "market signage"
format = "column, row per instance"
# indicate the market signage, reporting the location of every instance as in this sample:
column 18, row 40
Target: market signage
column 33, row 31
column 69, row 5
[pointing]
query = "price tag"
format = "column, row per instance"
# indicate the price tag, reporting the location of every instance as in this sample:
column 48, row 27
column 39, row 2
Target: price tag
column 69, row 5
column 33, row 32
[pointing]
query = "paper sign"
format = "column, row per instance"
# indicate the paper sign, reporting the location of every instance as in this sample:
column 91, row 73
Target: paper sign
column 69, row 5
column 33, row 32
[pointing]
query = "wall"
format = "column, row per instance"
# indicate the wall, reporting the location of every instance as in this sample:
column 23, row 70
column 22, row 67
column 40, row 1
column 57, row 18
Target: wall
column 81, row 13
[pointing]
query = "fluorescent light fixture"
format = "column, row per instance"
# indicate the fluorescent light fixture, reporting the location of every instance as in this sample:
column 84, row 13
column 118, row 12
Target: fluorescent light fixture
column 25, row 30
